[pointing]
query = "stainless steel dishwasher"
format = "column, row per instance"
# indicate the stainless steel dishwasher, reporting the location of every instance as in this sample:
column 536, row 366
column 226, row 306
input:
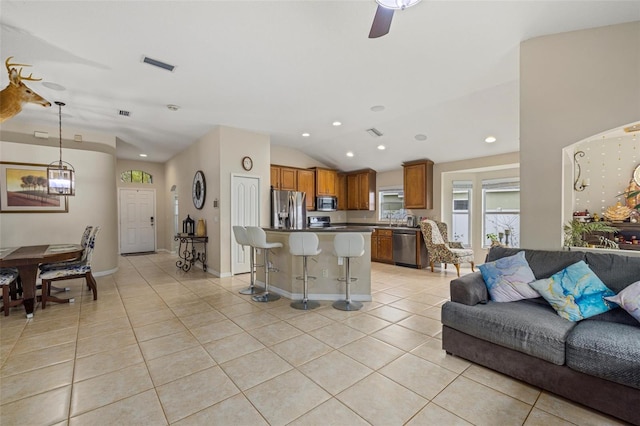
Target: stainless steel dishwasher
column 405, row 245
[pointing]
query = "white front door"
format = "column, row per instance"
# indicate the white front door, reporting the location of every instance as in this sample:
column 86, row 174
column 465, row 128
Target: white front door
column 137, row 220
column 245, row 211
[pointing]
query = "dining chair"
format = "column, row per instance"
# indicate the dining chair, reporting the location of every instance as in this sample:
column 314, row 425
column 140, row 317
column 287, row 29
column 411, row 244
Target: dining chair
column 73, row 270
column 56, row 265
column 8, row 281
column 440, row 250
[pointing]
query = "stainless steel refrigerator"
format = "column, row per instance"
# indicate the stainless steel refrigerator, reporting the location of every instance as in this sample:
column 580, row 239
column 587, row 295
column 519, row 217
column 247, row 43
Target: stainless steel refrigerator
column 288, row 209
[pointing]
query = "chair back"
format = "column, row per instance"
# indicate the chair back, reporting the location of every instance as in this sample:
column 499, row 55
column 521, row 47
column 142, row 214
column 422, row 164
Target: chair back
column 257, row 236
column 241, row 236
column 432, row 233
column 349, row 244
column 91, row 245
column 304, row 244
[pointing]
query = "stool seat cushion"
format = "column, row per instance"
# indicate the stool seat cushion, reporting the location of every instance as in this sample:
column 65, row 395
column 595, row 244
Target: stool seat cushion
column 304, row 244
column 259, row 238
column 349, row 244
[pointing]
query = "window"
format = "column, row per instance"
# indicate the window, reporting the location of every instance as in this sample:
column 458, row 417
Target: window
column 391, row 202
column 501, row 210
column 461, row 217
column 136, row 176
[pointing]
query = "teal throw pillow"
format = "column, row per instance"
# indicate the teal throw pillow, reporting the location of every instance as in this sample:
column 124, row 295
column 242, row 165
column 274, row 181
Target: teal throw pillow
column 575, row 292
column 507, row 279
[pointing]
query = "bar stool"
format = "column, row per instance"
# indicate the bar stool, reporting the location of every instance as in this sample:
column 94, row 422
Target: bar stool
column 348, row 245
column 242, row 238
column 304, row 244
column 259, row 241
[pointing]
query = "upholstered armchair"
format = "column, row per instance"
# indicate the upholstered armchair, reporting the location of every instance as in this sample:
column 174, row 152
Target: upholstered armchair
column 440, row 250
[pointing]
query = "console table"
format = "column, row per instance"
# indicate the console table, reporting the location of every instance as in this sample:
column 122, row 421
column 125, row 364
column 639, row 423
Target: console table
column 189, row 254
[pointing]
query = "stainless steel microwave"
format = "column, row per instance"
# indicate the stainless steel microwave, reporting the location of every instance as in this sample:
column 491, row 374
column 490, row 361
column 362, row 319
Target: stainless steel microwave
column 326, row 204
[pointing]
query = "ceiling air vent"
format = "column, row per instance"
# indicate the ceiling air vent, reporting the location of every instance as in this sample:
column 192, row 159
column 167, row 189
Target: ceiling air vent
column 374, row 132
column 159, row 64
column 124, row 113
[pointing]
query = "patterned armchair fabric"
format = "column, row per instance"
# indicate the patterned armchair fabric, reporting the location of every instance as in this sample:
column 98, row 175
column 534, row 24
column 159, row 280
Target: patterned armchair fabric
column 440, row 250
column 71, row 270
column 8, row 280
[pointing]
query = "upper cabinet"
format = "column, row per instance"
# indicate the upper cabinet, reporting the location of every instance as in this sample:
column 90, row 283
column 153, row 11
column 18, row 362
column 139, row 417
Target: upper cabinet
column 326, row 180
column 284, row 178
column 361, row 190
column 341, row 190
column 306, row 184
column 418, row 184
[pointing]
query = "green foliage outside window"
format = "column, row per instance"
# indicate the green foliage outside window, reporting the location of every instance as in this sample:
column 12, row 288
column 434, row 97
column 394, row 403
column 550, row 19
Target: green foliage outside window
column 136, row 176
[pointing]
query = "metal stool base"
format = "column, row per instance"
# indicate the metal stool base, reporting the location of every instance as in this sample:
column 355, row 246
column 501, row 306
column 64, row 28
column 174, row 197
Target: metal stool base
column 305, row 306
column 345, row 305
column 266, row 297
column 251, row 290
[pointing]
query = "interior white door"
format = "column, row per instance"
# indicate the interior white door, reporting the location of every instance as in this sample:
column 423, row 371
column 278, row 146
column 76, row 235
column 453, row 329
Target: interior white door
column 137, row 220
column 245, row 211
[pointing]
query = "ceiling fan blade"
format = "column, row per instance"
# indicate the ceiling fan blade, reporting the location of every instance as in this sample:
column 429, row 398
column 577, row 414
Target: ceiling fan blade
column 381, row 22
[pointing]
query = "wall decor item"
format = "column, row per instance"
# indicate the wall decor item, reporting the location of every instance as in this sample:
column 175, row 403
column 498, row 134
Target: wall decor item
column 579, row 185
column 23, row 189
column 17, row 93
column 199, row 189
column 247, row 163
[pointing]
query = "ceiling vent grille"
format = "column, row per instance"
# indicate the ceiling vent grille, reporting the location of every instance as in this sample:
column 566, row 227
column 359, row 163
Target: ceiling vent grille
column 124, row 113
column 159, row 64
column 374, row 132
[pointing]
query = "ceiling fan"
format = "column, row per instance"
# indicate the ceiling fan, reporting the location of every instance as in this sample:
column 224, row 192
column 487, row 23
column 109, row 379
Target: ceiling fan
column 384, row 14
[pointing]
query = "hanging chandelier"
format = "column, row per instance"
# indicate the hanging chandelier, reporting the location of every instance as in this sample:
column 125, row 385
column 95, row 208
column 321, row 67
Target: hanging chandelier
column 60, row 174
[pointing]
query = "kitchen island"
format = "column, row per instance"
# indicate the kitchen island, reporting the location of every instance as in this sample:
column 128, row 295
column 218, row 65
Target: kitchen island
column 325, row 267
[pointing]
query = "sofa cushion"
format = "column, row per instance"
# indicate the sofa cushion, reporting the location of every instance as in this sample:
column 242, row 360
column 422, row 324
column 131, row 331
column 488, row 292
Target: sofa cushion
column 616, row 271
column 629, row 299
column 543, row 263
column 575, row 292
column 508, row 278
column 607, row 350
column 531, row 328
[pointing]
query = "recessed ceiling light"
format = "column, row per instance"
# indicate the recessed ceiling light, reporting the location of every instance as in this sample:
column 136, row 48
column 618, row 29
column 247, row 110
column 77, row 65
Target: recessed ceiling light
column 382, row 147
column 349, row 154
column 143, row 155
column 337, row 123
column 306, row 135
column 53, row 86
column 490, row 139
column 173, row 107
column 377, row 108
column 420, row 137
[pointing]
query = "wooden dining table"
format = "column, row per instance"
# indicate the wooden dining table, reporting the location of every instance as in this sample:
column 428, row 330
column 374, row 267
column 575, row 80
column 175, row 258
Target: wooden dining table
column 27, row 258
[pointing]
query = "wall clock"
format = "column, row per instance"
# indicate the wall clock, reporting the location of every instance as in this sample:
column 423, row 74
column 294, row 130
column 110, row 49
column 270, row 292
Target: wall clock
column 198, row 191
column 247, row 163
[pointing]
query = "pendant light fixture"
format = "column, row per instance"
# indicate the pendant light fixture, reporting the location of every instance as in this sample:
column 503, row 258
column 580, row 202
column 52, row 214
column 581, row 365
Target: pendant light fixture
column 60, row 174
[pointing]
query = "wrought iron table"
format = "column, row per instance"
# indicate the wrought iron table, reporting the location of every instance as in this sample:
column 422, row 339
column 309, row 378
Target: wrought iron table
column 189, row 254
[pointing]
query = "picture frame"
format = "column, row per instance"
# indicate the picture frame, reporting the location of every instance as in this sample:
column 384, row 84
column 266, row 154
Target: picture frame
column 23, row 189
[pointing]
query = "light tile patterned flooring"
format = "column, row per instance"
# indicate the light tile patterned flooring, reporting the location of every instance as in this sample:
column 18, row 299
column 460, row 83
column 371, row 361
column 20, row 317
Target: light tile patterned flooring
column 163, row 347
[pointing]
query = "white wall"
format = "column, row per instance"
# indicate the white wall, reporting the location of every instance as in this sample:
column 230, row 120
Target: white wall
column 572, row 86
column 94, row 204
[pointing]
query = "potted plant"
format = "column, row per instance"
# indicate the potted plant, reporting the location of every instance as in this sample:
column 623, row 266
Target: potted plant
column 575, row 232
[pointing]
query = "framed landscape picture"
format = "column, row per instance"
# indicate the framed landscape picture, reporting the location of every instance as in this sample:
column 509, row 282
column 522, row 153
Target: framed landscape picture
column 23, row 189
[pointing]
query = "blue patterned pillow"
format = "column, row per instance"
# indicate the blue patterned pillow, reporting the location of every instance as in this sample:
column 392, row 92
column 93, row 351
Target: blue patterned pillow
column 575, row 292
column 508, row 278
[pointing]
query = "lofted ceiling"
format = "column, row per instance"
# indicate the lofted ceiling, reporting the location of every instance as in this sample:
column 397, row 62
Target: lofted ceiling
column 447, row 70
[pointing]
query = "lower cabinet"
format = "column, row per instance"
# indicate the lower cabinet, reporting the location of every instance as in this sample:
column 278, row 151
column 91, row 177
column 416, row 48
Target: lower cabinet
column 382, row 245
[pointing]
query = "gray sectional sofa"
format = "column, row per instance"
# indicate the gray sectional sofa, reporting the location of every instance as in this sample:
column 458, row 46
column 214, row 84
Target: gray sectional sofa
column 595, row 362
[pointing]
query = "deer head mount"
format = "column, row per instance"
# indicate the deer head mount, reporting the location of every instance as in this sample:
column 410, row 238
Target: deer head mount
column 16, row 93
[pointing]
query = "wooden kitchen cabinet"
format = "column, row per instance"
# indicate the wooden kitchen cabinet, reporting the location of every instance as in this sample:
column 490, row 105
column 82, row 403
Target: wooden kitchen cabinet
column 361, row 190
column 326, row 181
column 382, row 245
column 307, row 184
column 284, row 178
column 418, row 184
column 341, row 191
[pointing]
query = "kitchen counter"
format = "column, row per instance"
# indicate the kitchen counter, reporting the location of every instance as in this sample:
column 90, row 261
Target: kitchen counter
column 325, row 267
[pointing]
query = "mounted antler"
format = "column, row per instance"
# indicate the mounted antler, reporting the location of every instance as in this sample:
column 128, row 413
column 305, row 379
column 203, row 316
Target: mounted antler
column 16, row 93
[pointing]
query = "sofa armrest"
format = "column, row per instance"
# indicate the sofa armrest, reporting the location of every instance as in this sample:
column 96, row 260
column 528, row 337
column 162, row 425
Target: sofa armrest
column 469, row 289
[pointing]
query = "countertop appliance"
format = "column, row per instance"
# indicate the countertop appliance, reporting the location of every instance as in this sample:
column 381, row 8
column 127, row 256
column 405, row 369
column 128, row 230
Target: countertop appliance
column 326, row 204
column 288, row 209
column 411, row 221
column 408, row 247
column 318, row 222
